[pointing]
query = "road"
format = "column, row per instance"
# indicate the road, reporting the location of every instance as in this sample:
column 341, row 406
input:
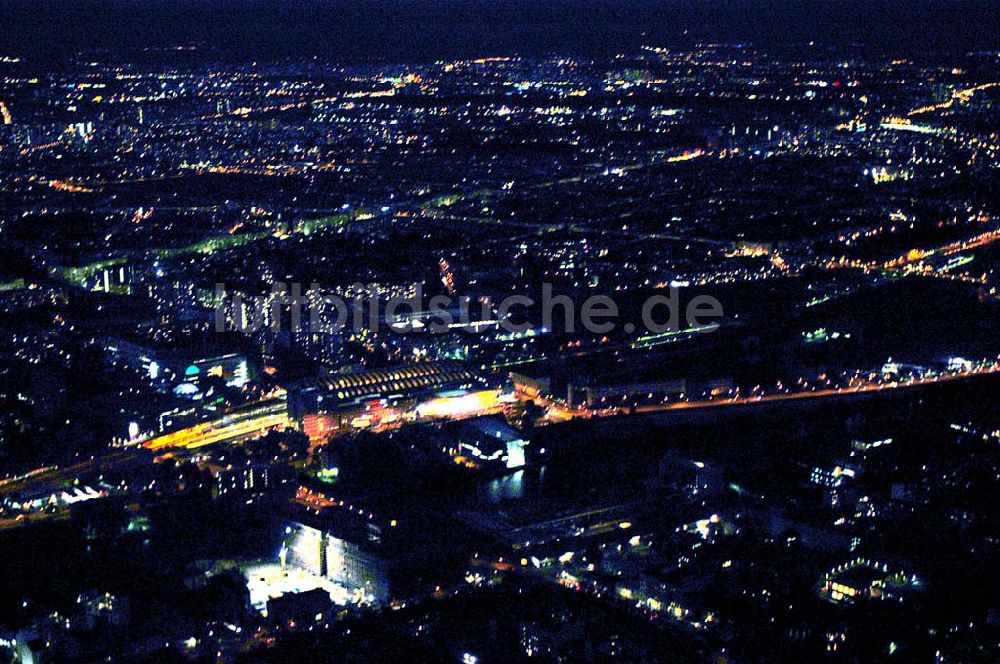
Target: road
column 560, row 412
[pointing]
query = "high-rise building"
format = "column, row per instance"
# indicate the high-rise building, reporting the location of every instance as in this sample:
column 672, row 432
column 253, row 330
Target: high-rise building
column 354, row 565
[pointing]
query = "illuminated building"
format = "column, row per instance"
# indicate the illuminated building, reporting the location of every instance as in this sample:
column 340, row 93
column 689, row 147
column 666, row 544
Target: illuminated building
column 376, row 399
column 457, row 404
column 447, row 276
column 830, row 478
column 866, row 578
column 251, row 478
column 175, row 366
column 230, row 367
column 305, row 548
column 356, row 566
column 745, row 249
column 531, row 386
column 490, row 442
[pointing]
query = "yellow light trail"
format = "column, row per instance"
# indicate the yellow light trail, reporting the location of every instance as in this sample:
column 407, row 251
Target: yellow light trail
column 961, row 95
column 224, row 429
column 66, row 185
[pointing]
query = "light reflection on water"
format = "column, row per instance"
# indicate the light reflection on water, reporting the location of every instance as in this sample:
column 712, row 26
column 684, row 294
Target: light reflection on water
column 516, row 486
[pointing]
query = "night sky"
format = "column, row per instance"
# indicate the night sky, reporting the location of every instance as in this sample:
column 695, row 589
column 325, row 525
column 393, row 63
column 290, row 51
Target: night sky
column 407, row 30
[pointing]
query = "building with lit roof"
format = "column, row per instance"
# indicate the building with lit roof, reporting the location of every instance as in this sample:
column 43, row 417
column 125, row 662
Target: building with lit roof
column 380, row 398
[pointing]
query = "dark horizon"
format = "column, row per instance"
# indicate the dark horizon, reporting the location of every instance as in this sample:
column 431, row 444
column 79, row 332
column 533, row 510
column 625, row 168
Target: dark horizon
column 397, row 30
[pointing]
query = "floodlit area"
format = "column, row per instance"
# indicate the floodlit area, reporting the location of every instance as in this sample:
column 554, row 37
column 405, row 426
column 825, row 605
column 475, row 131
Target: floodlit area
column 459, row 404
column 266, row 581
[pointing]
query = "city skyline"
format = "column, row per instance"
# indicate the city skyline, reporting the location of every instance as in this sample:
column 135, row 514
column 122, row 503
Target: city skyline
column 499, row 332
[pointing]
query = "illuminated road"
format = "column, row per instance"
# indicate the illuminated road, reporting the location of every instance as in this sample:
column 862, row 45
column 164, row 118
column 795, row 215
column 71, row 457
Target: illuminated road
column 819, row 394
column 235, row 427
column 53, row 478
column 963, row 96
column 560, row 412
